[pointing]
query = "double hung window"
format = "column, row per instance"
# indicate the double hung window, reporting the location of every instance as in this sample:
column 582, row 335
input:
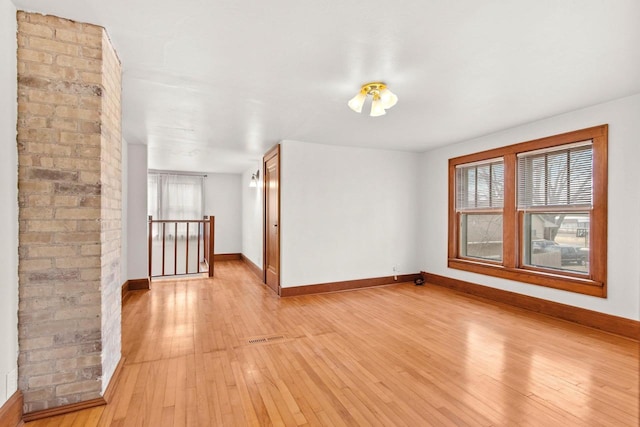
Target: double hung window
column 555, row 201
column 533, row 212
column 479, row 201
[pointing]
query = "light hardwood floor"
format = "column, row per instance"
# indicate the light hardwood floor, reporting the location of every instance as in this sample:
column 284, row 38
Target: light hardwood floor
column 391, row 356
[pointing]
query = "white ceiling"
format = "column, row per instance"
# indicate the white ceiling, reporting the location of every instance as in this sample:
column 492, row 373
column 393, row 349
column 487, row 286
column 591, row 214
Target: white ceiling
column 210, row 85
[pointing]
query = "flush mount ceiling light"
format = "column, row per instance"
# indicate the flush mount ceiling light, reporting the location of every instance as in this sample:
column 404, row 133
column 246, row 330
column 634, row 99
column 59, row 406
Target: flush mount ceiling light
column 382, row 99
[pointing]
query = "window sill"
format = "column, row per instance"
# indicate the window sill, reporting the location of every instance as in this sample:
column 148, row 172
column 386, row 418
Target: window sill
column 550, row 280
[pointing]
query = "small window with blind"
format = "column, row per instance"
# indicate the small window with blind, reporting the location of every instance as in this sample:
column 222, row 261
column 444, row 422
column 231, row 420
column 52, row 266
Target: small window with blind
column 534, row 212
column 480, row 197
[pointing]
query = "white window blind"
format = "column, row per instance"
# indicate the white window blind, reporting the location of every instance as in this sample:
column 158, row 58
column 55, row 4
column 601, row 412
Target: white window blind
column 480, row 185
column 560, row 176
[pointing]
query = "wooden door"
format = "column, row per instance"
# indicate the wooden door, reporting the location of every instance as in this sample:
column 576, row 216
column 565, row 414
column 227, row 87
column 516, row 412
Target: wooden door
column 272, row 218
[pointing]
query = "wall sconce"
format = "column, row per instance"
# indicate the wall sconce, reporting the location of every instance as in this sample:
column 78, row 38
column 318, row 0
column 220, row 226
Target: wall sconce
column 381, row 99
column 254, row 179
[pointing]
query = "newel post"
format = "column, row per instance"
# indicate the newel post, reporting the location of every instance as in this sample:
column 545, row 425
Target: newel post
column 212, row 222
column 150, row 243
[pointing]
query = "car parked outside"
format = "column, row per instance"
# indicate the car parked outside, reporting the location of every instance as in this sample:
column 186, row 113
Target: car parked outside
column 541, row 245
column 571, row 255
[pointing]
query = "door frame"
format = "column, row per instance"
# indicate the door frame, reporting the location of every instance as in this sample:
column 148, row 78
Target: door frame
column 272, row 152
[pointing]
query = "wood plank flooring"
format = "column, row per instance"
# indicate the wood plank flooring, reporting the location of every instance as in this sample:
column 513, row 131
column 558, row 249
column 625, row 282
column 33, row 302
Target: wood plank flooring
column 228, row 352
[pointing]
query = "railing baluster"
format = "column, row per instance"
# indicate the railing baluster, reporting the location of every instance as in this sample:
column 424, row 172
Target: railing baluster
column 164, row 229
column 175, row 249
column 186, row 264
column 198, row 259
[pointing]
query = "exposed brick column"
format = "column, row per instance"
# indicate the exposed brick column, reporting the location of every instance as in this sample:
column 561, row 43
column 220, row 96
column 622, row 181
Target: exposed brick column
column 69, row 196
column 110, row 210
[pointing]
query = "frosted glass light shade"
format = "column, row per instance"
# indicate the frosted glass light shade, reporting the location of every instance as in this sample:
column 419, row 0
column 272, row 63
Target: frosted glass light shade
column 388, row 98
column 377, row 108
column 254, row 179
column 357, row 102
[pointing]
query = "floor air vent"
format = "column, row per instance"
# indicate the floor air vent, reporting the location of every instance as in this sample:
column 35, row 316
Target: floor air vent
column 264, row 340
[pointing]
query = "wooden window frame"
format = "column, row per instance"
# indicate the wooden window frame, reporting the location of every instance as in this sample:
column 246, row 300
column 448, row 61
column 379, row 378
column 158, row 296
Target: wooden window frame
column 594, row 283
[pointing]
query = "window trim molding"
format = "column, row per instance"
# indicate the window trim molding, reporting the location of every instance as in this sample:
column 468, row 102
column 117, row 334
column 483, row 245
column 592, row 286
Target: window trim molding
column 595, row 283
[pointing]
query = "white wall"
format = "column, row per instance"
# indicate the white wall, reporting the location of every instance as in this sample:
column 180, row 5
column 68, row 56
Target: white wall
column 124, row 222
column 136, row 237
column 623, row 117
column 223, row 199
column 346, row 213
column 8, row 204
column 252, row 216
